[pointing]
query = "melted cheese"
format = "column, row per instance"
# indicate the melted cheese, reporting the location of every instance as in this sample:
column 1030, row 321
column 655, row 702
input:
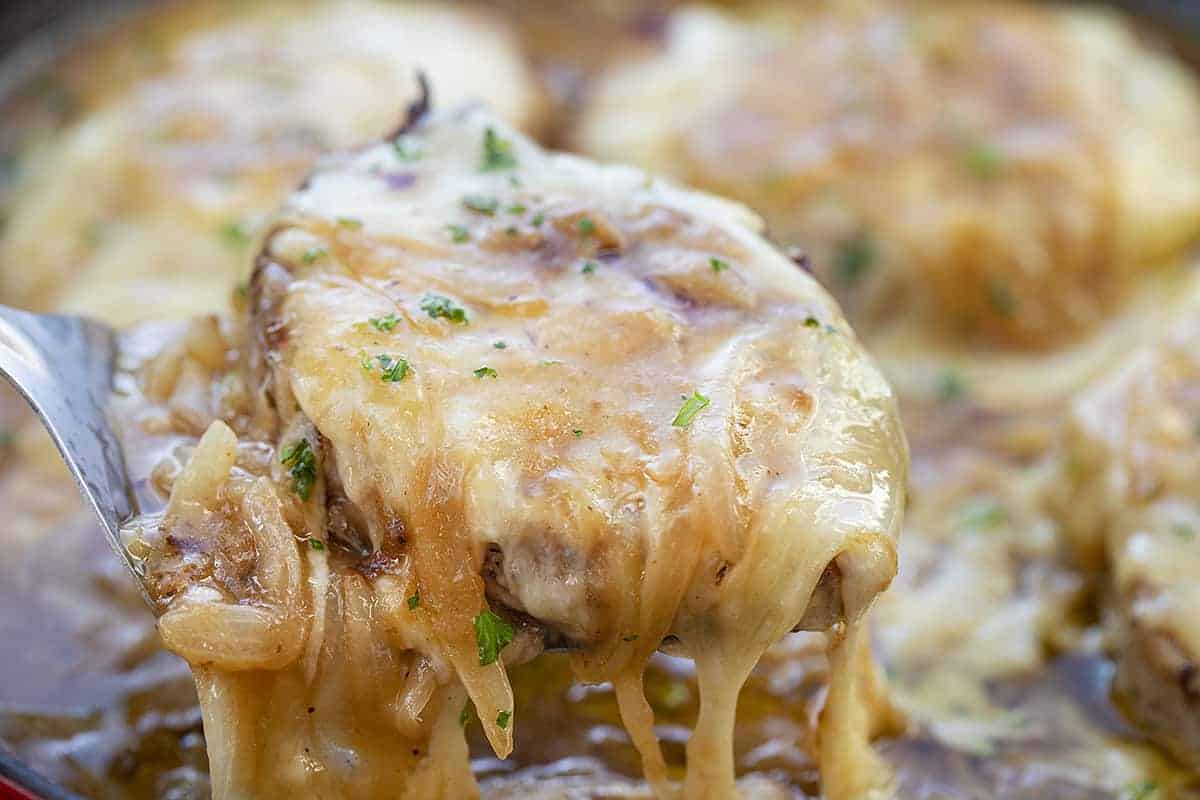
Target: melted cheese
column 545, row 423
column 970, row 630
column 1129, row 493
column 958, row 173
column 161, row 190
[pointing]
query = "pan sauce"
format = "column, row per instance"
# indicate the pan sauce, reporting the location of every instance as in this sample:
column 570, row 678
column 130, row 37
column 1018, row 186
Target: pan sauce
column 983, row 636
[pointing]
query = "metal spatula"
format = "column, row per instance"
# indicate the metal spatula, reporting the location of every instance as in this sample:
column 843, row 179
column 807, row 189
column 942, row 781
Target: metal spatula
column 63, row 367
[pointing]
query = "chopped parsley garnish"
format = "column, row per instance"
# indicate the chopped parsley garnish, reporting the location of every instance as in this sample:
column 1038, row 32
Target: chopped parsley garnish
column 577, row 433
column 301, row 462
column 392, row 370
column 982, row 515
column 500, row 345
column 983, row 159
column 310, row 256
column 549, row 362
column 588, row 267
column 492, row 634
column 812, row 322
column 384, row 324
column 633, row 637
column 538, row 219
column 486, row 372
column 497, row 152
column 511, row 230
column 950, row 386
column 1001, row 299
column 1141, row 790
column 364, row 358
column 464, row 716
column 691, row 407
column 408, row 150
column 10, row 165
column 350, row 223
column 93, row 234
column 440, row 306
column 234, row 234
column 586, row 227
column 458, row 233
column 854, row 259
column 718, row 265
column 316, row 544
column 502, row 719
column 414, row 600
column 481, row 204
column 516, row 208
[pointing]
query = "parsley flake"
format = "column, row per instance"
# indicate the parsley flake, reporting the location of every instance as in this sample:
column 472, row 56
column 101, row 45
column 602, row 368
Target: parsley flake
column 586, row 227
column 1141, row 790
column 392, row 370
column 486, row 372
column 854, row 258
column 1001, row 299
column 497, row 152
column 301, row 462
column 481, row 204
column 633, row 637
column 516, row 208
column 812, row 322
column 502, row 719
column 384, row 324
column 718, row 265
column 983, row 159
column 439, row 306
column 492, row 634
column 349, row 223
column 464, row 716
column 316, row 544
column 577, row 433
column 538, row 219
column 414, row 600
column 310, row 256
column 500, row 345
column 588, row 267
column 234, row 233
column 408, row 150
column 458, row 233
column 93, row 234
column 950, row 387
column 691, row 407
column 982, row 515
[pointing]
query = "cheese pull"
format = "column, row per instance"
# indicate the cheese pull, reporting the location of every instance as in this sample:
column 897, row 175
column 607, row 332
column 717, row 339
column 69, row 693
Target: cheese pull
column 517, row 399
